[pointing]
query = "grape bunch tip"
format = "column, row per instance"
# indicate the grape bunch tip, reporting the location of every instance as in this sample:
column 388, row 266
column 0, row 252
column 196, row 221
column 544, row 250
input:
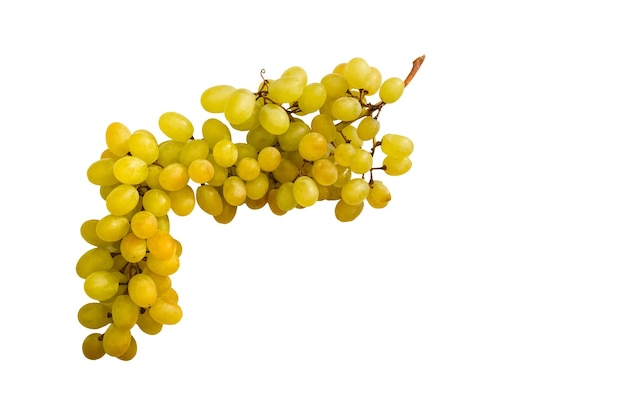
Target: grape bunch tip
column 305, row 142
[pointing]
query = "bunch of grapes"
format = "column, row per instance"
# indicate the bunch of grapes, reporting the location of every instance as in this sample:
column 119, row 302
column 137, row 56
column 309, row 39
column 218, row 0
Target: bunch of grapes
column 304, row 142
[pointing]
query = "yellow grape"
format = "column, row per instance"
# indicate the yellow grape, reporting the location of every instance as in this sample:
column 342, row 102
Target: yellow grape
column 368, row 128
column 183, row 200
column 313, row 146
column 130, row 352
column 312, row 98
column 335, row 85
column 101, row 285
column 174, row 177
column 305, row 191
column 285, row 89
column 112, row 228
column 93, row 347
column 213, row 99
column 201, row 171
column 95, row 259
column 357, row 72
column 116, row 340
column 324, row 172
column 122, row 199
column 124, row 312
column 269, row 158
column 346, row 109
column 176, row 126
column 391, row 90
column 161, row 245
column 130, row 170
column 117, row 136
column 144, row 146
column 345, row 212
column 214, row 130
column 258, row 187
column 397, row 166
column 225, row 153
column 362, row 161
column 209, row 200
column 165, row 312
column 94, row 315
column 144, row 224
column 147, row 324
column 192, row 150
column 285, row 199
column 234, row 191
column 239, row 106
column 142, row 290
column 101, row 172
column 274, row 119
column 355, row 191
column 157, row 202
column 248, row 168
column 289, row 140
column 396, row 146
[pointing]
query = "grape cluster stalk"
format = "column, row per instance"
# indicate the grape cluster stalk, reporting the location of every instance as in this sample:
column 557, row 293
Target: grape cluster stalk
column 305, row 142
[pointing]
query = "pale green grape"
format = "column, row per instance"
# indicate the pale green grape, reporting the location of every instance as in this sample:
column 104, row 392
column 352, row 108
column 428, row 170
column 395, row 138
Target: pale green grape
column 286, row 171
column 201, row 171
column 285, row 89
column 397, row 166
column 373, row 82
column 269, row 158
column 101, row 285
column 144, row 224
column 122, row 199
column 95, row 259
column 192, row 150
column 213, row 99
column 157, row 202
column 166, row 312
column 344, row 175
column 289, row 140
column 147, row 324
column 209, row 200
column 220, row 173
column 116, row 340
column 225, row 153
column 174, row 177
column 285, row 199
column 296, row 72
column 144, row 146
column 214, row 130
column 252, row 121
column 112, row 228
column 234, row 191
column 142, row 290
column 368, row 128
column 355, row 191
column 305, row 191
column 248, row 168
column 245, row 150
column 391, row 90
column 312, row 98
column 379, row 195
column 93, row 348
column 183, row 200
column 260, row 138
column 94, row 315
column 124, row 312
column 357, row 71
column 346, row 108
column 335, row 85
column 101, row 172
column 313, row 146
column 346, row 212
column 116, row 136
column 176, row 126
column 396, row 146
column 130, row 170
column 272, row 202
column 154, row 171
column 169, row 151
column 344, row 154
column 88, row 233
column 239, row 106
column 274, row 119
column 257, row 187
column 133, row 248
column 362, row 162
column 323, row 124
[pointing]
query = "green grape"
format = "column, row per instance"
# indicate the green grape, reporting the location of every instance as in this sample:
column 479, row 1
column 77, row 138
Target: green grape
column 324, row 172
column 93, row 348
column 214, row 130
column 201, row 171
column 248, row 168
column 296, row 72
column 357, row 71
column 213, row 99
column 285, row 89
column 142, row 290
column 88, row 233
column 116, row 136
column 285, row 199
column 157, row 202
column 355, row 191
column 168, row 152
column 362, row 162
column 144, row 146
column 335, row 85
column 101, row 285
column 379, row 195
column 161, row 245
column 345, row 212
column 274, row 119
column 95, row 259
column 130, row 352
column 147, row 324
column 192, row 150
column 245, row 150
column 256, row 204
column 305, row 191
column 101, row 172
column 227, row 215
column 162, row 282
column 116, row 340
column 124, row 312
column 130, row 170
column 143, row 224
column 344, row 175
column 94, row 315
column 183, row 200
column 176, row 126
column 165, row 312
column 225, row 153
column 234, row 191
column 112, row 228
column 312, row 98
column 346, row 108
column 272, row 202
column 154, row 171
column 174, row 176
column 257, row 187
column 289, row 140
column 269, row 158
column 122, row 199
column 373, row 82
column 209, row 200
column 163, row 223
column 391, row 90
column 396, row 166
column 133, row 248
column 368, row 128
column 344, row 154
column 252, row 121
column 219, row 173
column 313, row 146
column 286, row 171
column 396, row 146
column 239, row 106
column 260, row 138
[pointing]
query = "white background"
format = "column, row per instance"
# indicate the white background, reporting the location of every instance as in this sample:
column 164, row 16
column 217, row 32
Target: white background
column 492, row 285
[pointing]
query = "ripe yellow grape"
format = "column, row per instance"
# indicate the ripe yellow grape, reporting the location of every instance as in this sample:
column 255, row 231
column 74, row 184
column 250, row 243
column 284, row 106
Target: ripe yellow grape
column 144, row 146
column 269, row 158
column 101, row 172
column 373, row 82
column 183, row 201
column 213, row 99
column 94, row 315
column 345, row 212
column 101, row 285
column 239, row 106
column 357, row 71
column 92, row 347
column 95, row 259
column 225, row 153
column 362, row 162
column 116, row 340
column 312, row 98
column 157, row 202
column 289, row 140
column 144, row 224
column 396, row 146
column 130, row 170
column 274, row 119
column 335, row 85
column 142, row 290
column 112, row 228
column 214, row 130
column 248, row 168
column 147, row 324
column 286, row 89
column 257, row 187
column 133, row 248
column 161, row 245
column 397, row 166
column 305, row 191
column 346, row 108
column 368, row 128
column 391, row 90
column 234, row 191
column 324, row 172
column 174, row 176
column 313, row 146
column 355, row 191
column 116, row 137
column 344, row 154
column 166, row 312
column 131, row 351
column 209, row 200
column 122, row 199
column 201, row 171
column 192, row 150
column 176, row 126
column 124, row 312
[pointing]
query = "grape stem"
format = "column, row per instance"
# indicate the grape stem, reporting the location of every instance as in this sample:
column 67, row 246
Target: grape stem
column 416, row 66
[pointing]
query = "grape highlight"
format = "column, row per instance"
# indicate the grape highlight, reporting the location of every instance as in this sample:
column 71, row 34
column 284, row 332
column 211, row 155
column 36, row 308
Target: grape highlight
column 305, row 142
